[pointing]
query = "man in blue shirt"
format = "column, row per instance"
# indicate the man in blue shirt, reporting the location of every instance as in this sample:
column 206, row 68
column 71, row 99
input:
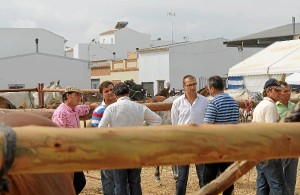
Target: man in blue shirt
column 223, row 109
column 106, row 90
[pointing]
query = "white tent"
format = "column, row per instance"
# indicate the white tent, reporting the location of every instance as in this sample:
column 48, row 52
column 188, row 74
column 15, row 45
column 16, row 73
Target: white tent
column 274, row 61
column 293, row 79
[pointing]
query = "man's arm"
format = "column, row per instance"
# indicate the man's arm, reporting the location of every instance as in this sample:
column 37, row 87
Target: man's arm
column 97, row 116
column 105, row 121
column 174, row 114
column 152, row 118
column 210, row 115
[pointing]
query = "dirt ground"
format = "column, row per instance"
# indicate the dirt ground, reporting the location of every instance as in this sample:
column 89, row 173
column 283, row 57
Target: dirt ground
column 244, row 186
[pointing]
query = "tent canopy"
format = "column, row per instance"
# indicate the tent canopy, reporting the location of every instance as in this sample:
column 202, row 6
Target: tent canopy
column 279, row 58
column 293, row 79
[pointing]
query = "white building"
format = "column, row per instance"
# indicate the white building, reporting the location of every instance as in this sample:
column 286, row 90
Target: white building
column 28, row 70
column 159, row 65
column 17, row 41
column 115, row 44
column 25, row 62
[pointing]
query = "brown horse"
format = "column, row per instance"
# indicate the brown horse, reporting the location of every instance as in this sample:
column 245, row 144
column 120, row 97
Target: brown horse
column 36, row 184
column 5, row 103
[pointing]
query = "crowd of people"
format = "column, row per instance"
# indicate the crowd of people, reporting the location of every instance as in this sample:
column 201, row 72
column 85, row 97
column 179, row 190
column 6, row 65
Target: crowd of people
column 275, row 176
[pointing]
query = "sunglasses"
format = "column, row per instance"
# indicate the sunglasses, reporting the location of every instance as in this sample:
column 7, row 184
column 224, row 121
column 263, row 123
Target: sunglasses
column 191, row 85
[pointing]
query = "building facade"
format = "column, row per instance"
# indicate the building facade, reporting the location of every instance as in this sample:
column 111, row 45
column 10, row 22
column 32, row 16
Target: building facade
column 159, row 65
column 32, row 56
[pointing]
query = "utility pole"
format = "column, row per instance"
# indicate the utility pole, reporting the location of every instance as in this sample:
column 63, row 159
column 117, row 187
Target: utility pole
column 172, row 14
column 89, row 54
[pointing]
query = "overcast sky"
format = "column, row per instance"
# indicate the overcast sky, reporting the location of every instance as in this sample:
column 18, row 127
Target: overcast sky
column 79, row 21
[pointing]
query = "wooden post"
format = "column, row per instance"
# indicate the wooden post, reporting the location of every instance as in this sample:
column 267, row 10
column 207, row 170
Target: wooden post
column 227, row 178
column 41, row 95
column 50, row 149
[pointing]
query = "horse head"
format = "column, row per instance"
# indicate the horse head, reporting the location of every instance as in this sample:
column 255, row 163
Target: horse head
column 57, row 95
column 204, row 91
column 136, row 91
column 50, row 97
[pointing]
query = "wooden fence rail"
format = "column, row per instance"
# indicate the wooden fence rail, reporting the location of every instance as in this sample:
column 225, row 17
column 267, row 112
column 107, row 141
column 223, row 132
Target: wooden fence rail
column 50, row 149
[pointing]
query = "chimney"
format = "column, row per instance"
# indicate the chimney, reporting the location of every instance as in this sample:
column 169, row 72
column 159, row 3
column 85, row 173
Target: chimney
column 37, row 45
column 294, row 27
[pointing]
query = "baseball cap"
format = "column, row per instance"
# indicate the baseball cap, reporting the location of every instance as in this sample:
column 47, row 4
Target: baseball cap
column 72, row 89
column 272, row 83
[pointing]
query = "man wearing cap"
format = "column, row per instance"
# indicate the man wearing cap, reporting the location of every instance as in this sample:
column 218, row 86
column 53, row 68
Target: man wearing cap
column 67, row 116
column 270, row 177
column 125, row 112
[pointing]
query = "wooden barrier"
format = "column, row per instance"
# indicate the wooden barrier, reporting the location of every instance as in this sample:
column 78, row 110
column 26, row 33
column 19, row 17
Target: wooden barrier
column 50, row 149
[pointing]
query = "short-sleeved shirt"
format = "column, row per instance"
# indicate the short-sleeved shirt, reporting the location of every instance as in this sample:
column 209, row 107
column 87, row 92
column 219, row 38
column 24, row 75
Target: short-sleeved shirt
column 223, row 109
column 98, row 114
column 65, row 116
column 182, row 112
column 282, row 109
column 265, row 112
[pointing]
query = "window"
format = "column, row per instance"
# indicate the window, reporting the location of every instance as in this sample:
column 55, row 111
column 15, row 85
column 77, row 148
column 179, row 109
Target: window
column 95, row 83
column 148, row 86
column 16, row 86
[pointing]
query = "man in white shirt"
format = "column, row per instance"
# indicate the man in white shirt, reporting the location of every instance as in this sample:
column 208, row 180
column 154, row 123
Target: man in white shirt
column 270, row 177
column 189, row 108
column 125, row 112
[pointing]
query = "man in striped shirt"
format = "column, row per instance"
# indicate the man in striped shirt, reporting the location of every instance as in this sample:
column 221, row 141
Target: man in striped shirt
column 106, row 91
column 223, row 109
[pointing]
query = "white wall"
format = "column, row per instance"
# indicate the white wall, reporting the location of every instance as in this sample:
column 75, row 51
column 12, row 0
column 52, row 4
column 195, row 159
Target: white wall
column 203, row 59
column 107, row 39
column 126, row 40
column 17, row 41
column 31, row 69
column 200, row 59
column 154, row 66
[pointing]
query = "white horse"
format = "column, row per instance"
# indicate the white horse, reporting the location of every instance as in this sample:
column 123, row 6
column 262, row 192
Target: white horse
column 26, row 99
column 50, row 97
column 244, row 94
column 22, row 99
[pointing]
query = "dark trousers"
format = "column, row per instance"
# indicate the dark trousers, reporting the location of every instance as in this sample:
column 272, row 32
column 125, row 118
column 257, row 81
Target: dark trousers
column 79, row 181
column 211, row 171
column 125, row 177
column 183, row 175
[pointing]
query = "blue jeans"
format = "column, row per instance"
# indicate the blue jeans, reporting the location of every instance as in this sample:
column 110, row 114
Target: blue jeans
column 270, row 178
column 211, row 171
column 123, row 177
column 290, row 173
column 183, row 175
column 107, row 180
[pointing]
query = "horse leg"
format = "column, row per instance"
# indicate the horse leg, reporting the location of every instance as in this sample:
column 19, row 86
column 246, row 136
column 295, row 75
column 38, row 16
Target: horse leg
column 157, row 173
